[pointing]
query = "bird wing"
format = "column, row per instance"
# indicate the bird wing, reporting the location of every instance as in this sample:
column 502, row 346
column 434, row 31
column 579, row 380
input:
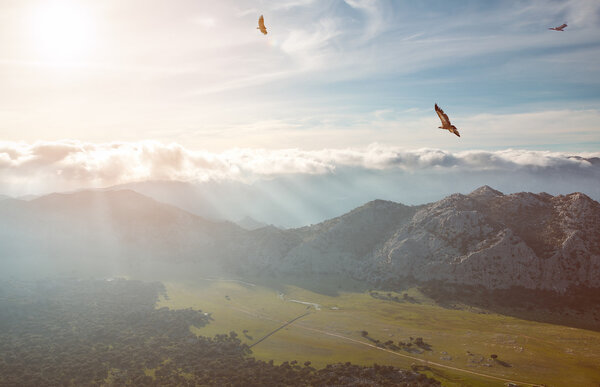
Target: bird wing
column 261, row 24
column 443, row 117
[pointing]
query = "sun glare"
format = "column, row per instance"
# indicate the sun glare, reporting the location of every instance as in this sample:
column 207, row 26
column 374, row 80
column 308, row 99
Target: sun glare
column 62, row 31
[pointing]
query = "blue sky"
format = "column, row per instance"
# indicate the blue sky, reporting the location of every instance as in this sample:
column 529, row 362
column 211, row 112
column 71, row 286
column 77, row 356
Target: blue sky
column 198, row 72
column 329, row 75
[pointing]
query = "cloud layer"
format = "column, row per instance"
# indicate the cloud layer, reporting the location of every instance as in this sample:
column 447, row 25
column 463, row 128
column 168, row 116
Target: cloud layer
column 65, row 165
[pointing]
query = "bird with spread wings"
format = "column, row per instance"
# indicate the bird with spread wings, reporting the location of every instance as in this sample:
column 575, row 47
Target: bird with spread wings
column 261, row 25
column 559, row 28
column 445, row 121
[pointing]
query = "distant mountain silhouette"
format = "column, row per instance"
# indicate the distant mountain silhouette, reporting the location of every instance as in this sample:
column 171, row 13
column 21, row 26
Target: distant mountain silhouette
column 276, row 201
column 249, row 223
column 123, row 229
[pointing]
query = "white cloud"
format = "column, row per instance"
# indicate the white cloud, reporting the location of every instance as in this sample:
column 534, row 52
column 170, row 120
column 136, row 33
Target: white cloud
column 292, row 4
column 377, row 15
column 581, row 13
column 65, row 165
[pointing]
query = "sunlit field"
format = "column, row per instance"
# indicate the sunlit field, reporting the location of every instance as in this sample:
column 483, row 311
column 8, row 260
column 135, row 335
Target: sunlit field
column 528, row 353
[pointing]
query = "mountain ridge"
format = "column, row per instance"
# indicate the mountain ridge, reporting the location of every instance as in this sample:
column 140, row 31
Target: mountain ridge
column 485, row 238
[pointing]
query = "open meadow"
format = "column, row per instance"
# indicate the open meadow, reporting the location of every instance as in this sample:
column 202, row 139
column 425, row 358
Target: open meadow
column 402, row 329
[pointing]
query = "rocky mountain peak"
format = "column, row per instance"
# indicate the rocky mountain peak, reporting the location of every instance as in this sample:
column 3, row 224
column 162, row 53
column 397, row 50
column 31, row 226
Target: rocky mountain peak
column 485, row 192
column 578, row 198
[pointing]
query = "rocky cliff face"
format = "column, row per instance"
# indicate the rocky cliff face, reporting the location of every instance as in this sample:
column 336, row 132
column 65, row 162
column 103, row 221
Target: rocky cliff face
column 342, row 243
column 498, row 241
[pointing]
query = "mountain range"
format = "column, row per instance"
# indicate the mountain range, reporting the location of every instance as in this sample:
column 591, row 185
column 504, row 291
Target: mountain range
column 486, row 238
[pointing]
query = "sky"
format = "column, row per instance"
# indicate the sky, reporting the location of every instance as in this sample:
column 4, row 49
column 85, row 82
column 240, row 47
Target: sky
column 88, row 86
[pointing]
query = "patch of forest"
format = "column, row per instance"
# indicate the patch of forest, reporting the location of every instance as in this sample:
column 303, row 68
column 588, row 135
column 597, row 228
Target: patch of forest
column 108, row 332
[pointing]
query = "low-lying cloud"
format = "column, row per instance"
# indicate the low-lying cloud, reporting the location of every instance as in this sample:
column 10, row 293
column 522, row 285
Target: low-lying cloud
column 65, row 165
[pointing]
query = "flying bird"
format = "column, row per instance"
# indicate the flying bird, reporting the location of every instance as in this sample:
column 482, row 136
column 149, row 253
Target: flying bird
column 445, row 121
column 559, row 28
column 261, row 25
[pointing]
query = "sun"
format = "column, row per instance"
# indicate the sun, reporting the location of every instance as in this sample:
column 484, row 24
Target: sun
column 62, row 31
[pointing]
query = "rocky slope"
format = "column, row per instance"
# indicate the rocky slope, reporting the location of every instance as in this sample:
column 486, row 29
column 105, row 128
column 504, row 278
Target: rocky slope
column 342, row 243
column 498, row 241
column 484, row 238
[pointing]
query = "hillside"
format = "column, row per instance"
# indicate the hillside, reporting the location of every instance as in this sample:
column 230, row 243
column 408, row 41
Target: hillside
column 108, row 230
column 341, row 244
column 250, row 223
column 486, row 238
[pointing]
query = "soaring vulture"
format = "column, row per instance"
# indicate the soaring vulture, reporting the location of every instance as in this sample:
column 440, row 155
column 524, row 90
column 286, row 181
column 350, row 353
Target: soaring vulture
column 445, row 121
column 261, row 25
column 559, row 28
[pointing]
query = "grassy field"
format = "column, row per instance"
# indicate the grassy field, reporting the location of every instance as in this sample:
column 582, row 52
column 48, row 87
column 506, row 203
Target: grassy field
column 528, row 353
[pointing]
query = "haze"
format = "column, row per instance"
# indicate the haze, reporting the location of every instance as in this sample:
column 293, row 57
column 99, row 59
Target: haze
column 308, row 221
